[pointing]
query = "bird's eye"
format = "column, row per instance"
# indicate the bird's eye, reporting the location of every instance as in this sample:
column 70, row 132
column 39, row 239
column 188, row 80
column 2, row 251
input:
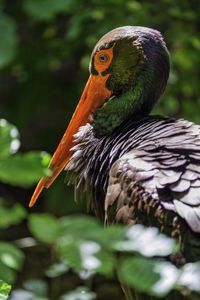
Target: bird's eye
column 103, row 57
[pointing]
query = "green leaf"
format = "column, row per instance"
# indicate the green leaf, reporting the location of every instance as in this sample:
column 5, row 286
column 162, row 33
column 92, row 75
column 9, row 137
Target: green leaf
column 146, row 241
column 108, row 262
column 7, row 274
column 81, row 293
column 8, row 45
column 149, row 276
column 36, row 286
column 56, row 270
column 4, row 290
column 12, row 215
column 112, row 233
column 47, row 9
column 19, row 169
column 9, row 139
column 44, row 227
column 81, row 227
column 24, row 169
column 86, row 256
column 77, row 222
column 69, row 252
column 88, row 228
column 11, row 256
column 169, row 275
column 22, row 294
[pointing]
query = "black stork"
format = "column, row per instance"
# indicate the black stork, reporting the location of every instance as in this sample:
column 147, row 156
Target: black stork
column 133, row 167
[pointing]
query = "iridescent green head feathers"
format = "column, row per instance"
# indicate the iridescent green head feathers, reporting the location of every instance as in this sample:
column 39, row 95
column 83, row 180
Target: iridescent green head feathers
column 139, row 70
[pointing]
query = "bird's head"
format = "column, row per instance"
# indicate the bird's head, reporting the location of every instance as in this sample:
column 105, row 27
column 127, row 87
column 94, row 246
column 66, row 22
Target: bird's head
column 128, row 52
column 133, row 64
column 129, row 68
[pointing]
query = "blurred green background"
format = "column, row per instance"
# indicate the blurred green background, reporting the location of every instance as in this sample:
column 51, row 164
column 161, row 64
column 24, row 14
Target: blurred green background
column 45, row 48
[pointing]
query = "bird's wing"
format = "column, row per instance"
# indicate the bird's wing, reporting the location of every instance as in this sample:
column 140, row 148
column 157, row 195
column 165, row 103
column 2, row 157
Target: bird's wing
column 156, row 188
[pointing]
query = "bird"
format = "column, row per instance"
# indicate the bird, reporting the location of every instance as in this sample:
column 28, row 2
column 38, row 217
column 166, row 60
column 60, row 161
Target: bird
column 130, row 166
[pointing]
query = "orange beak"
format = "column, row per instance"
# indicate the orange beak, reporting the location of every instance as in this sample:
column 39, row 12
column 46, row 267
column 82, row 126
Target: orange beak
column 94, row 95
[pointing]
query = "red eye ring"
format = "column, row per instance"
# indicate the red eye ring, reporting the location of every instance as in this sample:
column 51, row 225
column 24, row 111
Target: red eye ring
column 102, row 59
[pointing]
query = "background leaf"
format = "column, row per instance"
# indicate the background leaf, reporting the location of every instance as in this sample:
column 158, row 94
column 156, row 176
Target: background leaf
column 47, row 9
column 24, row 169
column 44, row 227
column 147, row 241
column 37, row 287
column 81, row 293
column 11, row 256
column 152, row 277
column 9, row 41
column 11, row 260
column 12, row 215
column 4, row 290
column 9, row 139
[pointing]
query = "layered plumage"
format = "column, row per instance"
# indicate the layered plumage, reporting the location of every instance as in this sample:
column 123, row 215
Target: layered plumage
column 145, row 171
column 132, row 167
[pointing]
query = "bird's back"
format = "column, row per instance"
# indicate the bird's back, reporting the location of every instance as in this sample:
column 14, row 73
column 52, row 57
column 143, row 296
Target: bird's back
column 146, row 171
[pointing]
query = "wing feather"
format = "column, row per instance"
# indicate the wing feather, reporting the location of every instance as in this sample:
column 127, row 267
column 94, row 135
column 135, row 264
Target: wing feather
column 139, row 180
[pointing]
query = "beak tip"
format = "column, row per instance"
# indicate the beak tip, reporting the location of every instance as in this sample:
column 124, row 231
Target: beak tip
column 30, row 204
column 37, row 192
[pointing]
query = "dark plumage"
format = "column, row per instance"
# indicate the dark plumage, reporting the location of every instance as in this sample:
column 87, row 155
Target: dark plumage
column 148, row 171
column 131, row 167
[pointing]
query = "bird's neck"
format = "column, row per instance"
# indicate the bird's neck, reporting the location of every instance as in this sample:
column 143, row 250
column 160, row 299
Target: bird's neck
column 117, row 109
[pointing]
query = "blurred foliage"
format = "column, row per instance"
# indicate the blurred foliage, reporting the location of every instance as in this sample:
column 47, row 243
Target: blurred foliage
column 9, row 39
column 34, row 289
column 17, row 168
column 81, row 243
column 28, row 169
column 4, row 290
column 44, row 54
column 11, row 215
column 80, row 293
column 11, row 260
